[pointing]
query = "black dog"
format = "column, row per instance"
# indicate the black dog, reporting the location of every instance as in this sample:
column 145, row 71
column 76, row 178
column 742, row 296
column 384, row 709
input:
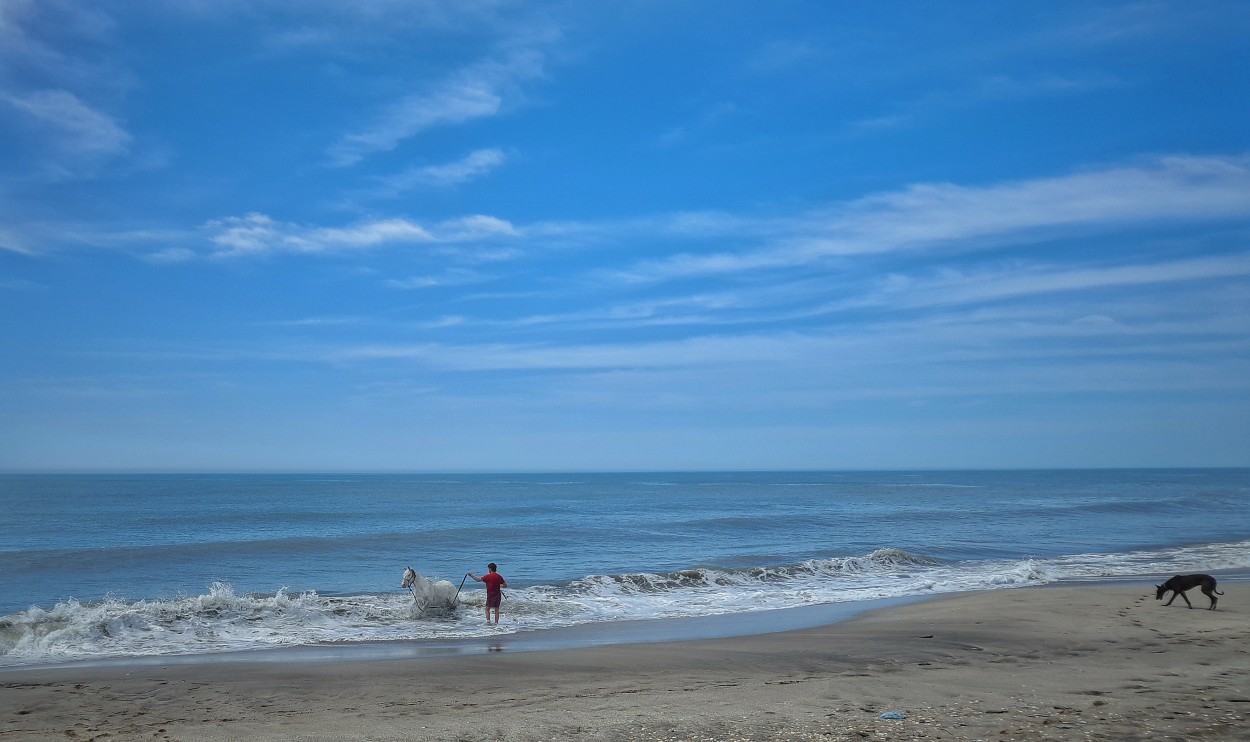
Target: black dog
column 1180, row 583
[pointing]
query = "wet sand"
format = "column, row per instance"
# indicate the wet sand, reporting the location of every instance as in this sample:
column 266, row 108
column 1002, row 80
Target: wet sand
column 1091, row 662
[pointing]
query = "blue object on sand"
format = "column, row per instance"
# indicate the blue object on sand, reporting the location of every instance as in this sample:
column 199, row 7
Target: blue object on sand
column 892, row 715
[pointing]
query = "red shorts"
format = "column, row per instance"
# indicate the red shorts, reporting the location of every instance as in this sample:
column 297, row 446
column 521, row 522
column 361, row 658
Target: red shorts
column 492, row 599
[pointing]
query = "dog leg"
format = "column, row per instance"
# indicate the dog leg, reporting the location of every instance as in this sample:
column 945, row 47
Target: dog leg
column 1186, row 597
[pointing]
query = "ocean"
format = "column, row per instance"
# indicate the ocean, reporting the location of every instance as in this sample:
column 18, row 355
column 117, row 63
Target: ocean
column 162, row 566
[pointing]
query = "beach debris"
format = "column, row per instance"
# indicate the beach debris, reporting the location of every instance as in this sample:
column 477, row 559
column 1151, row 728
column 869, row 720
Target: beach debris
column 893, row 715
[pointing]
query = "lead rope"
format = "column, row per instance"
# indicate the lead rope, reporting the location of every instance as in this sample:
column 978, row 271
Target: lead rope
column 456, row 600
column 421, row 611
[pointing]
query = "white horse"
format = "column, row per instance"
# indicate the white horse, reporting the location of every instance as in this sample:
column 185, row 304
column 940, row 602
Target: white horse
column 427, row 594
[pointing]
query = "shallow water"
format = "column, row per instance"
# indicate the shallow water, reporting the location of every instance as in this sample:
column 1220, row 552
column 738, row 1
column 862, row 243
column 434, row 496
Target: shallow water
column 165, row 565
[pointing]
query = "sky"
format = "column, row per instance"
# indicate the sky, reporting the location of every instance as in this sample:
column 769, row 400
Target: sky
column 462, row 235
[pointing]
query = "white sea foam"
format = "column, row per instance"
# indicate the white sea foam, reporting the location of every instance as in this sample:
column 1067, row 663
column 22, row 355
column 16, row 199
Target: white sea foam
column 221, row 621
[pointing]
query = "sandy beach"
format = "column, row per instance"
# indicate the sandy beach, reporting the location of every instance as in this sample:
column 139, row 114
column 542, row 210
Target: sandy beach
column 1041, row 663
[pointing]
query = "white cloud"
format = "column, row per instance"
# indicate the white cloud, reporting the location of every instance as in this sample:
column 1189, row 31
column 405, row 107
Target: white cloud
column 476, row 92
column 1128, row 22
column 59, row 78
column 10, row 241
column 447, row 175
column 51, row 38
column 926, row 216
column 368, row 234
column 1174, row 188
column 454, row 277
column 453, row 104
column 76, row 134
column 963, row 287
column 259, row 234
column 740, row 349
column 980, row 92
column 475, row 227
column 952, row 346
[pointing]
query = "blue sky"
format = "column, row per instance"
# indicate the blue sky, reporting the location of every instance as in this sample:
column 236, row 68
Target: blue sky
column 466, row 235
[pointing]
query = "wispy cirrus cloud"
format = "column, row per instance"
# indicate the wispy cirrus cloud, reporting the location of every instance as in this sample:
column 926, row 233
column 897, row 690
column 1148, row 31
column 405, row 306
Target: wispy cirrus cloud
column 958, row 287
column 258, row 234
column 956, row 342
column 474, row 165
column 65, row 137
column 928, row 216
column 986, row 90
column 61, row 88
column 9, row 240
column 1129, row 22
column 454, row 103
column 666, row 354
column 451, row 277
column 478, row 91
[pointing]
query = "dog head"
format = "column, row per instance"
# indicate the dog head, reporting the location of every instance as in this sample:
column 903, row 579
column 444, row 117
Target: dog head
column 1159, row 591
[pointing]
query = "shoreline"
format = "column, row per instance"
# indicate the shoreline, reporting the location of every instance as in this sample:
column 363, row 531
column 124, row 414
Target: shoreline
column 1051, row 662
column 608, row 633
column 580, row 636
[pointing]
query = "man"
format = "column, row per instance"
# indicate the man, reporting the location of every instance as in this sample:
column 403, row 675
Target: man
column 494, row 589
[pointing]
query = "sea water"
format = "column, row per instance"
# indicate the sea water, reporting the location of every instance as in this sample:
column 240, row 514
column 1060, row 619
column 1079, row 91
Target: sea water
column 162, row 565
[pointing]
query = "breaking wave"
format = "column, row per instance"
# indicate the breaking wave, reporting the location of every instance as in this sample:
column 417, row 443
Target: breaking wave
column 222, row 621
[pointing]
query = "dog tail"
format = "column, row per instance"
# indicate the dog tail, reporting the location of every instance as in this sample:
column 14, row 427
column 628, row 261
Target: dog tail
column 1217, row 592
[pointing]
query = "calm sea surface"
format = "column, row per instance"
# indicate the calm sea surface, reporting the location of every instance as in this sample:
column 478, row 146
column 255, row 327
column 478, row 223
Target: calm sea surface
column 99, row 566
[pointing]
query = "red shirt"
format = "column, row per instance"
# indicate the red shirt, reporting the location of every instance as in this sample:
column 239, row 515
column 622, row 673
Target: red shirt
column 493, row 581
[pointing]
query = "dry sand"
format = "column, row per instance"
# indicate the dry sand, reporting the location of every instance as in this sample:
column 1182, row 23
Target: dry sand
column 1044, row 663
